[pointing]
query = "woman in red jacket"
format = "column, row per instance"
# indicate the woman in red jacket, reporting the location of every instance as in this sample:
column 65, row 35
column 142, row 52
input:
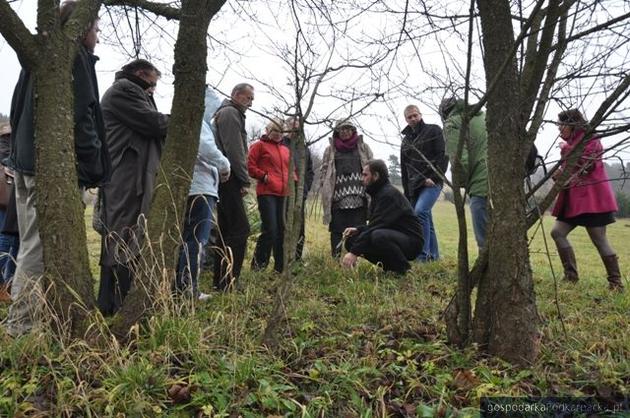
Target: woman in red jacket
column 268, row 162
column 586, row 200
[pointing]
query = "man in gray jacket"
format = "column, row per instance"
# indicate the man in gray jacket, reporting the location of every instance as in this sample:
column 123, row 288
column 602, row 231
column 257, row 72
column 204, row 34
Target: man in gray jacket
column 231, row 139
column 135, row 135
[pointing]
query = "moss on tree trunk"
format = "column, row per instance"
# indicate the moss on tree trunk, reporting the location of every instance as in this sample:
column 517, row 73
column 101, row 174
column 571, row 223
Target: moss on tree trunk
column 60, row 211
column 506, row 318
column 165, row 218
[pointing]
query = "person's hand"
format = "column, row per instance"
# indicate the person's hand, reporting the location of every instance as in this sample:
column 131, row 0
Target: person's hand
column 225, row 176
column 429, row 183
column 348, row 232
column 349, row 260
column 244, row 191
column 265, row 178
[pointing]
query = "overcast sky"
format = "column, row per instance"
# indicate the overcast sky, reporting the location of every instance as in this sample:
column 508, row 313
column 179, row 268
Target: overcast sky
column 253, row 54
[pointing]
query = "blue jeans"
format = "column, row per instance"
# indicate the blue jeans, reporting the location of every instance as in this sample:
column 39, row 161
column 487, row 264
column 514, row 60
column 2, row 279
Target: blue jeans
column 9, row 245
column 197, row 227
column 424, row 203
column 479, row 212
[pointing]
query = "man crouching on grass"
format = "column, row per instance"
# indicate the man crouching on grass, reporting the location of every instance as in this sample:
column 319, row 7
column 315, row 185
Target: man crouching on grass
column 393, row 235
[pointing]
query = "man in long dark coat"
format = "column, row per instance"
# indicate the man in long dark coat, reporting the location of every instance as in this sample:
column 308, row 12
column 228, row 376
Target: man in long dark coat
column 135, row 135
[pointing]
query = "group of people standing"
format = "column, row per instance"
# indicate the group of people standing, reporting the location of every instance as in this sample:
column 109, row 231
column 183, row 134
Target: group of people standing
column 119, row 141
column 586, row 198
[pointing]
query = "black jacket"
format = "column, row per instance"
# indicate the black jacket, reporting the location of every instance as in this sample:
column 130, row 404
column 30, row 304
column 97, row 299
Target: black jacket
column 388, row 209
column 93, row 162
column 425, row 140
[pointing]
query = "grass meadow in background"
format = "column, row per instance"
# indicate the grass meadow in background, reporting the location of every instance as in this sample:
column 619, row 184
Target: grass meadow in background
column 355, row 343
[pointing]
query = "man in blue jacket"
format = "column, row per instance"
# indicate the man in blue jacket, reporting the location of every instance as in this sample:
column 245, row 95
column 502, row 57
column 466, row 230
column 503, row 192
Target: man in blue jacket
column 211, row 168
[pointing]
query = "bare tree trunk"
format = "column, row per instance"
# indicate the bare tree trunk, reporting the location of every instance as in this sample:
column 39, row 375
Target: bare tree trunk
column 49, row 57
column 60, row 211
column 163, row 233
column 294, row 218
column 458, row 312
column 506, row 320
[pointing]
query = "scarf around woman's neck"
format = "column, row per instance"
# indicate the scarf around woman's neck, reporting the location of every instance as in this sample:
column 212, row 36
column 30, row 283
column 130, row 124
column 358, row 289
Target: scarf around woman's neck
column 348, row 145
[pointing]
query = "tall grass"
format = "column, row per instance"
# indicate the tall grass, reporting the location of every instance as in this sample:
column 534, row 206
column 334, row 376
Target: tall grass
column 358, row 343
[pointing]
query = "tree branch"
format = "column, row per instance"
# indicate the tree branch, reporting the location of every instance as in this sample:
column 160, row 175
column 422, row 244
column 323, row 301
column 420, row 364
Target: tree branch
column 164, row 10
column 17, row 35
column 594, row 29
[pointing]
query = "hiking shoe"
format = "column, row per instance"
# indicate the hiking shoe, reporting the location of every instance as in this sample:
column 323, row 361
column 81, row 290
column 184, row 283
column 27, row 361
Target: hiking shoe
column 203, row 297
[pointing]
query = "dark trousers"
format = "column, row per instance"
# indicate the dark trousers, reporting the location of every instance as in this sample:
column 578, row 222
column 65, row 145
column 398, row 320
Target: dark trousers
column 233, row 230
column 113, row 288
column 391, row 248
column 195, row 235
column 271, row 237
column 299, row 246
column 340, row 220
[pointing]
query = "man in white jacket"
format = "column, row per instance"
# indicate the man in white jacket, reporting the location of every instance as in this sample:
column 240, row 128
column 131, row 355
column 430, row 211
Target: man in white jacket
column 211, row 168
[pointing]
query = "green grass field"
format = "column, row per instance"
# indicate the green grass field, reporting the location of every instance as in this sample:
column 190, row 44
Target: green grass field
column 353, row 344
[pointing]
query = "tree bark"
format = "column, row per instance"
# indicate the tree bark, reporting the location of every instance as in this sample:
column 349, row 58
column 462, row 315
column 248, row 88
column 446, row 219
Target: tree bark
column 163, row 232
column 294, row 218
column 60, row 211
column 506, row 319
column 49, row 56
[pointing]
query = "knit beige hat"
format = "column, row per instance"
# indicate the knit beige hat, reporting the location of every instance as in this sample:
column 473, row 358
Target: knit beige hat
column 344, row 122
column 5, row 129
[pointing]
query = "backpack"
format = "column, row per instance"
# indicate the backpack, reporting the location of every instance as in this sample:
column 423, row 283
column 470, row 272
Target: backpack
column 533, row 161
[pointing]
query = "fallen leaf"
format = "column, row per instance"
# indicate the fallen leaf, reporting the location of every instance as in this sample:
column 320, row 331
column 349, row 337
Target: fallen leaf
column 464, row 380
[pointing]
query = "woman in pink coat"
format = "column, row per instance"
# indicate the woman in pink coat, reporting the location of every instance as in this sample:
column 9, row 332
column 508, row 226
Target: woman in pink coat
column 586, row 200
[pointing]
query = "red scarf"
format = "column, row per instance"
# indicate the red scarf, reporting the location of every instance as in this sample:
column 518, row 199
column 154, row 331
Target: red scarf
column 348, row 145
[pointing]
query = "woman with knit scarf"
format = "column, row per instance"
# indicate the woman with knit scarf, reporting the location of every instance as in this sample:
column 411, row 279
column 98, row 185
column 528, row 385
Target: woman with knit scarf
column 344, row 200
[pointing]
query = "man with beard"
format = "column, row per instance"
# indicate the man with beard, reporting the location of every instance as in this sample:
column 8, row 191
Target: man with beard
column 393, row 235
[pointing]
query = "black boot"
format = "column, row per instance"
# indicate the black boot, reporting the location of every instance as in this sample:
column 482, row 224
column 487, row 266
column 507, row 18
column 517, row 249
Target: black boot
column 611, row 262
column 567, row 256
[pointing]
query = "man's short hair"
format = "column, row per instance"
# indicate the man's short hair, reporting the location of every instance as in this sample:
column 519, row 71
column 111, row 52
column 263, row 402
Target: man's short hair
column 378, row 167
column 140, row 64
column 411, row 107
column 241, row 87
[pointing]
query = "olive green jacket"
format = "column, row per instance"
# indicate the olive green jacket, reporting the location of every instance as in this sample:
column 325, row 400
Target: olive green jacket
column 474, row 154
